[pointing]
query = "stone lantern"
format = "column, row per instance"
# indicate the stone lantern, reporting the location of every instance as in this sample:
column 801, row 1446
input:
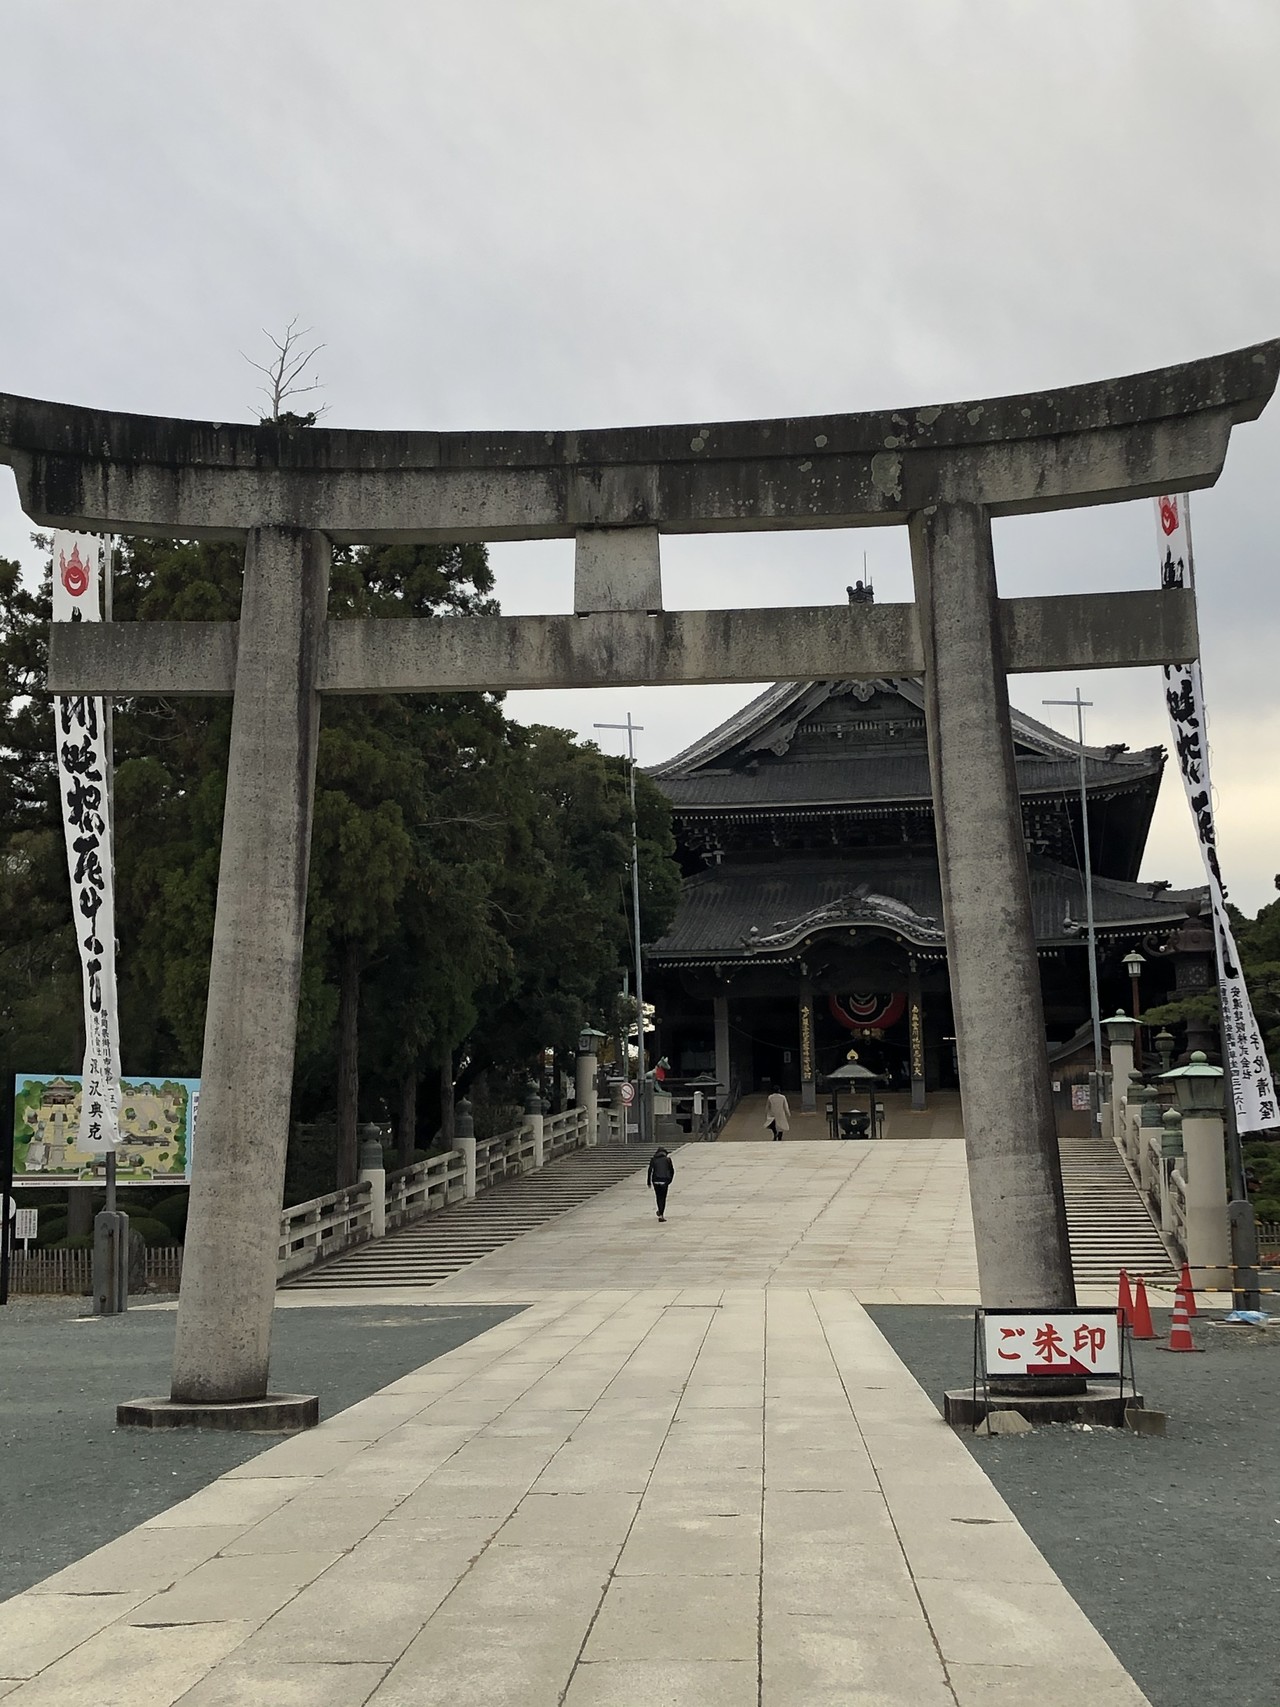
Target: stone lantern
column 586, row 1080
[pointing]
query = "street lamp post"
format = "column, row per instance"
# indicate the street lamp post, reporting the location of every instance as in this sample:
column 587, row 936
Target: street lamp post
column 1095, row 1011
column 1133, row 963
column 633, row 729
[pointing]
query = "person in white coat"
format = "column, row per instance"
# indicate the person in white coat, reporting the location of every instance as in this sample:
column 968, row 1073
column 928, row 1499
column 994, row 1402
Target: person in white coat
column 777, row 1115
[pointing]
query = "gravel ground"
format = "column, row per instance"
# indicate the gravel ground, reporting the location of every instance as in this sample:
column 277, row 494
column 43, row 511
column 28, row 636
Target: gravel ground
column 1171, row 1546
column 70, row 1480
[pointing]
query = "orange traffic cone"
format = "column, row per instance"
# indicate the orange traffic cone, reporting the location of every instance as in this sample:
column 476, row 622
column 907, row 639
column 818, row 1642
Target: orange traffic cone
column 1180, row 1333
column 1124, row 1302
column 1141, row 1319
column 1187, row 1290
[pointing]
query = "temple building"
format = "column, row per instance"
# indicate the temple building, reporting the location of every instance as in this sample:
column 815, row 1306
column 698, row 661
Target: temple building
column 811, row 919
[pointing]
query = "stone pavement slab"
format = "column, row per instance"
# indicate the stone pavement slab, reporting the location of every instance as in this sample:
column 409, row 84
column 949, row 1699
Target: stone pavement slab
column 73, row 1481
column 642, row 1495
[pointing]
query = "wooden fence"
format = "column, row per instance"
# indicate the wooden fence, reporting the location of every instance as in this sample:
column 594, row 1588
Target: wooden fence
column 71, row 1272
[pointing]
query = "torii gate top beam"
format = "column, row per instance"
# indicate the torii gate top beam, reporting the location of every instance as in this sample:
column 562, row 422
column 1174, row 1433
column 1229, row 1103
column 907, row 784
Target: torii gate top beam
column 1085, row 444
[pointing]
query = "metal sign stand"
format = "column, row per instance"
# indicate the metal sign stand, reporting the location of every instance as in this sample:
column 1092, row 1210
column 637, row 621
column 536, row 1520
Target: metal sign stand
column 980, row 1375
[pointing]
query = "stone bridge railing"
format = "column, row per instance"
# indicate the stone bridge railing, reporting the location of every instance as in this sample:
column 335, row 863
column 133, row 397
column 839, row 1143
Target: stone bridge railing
column 324, row 1227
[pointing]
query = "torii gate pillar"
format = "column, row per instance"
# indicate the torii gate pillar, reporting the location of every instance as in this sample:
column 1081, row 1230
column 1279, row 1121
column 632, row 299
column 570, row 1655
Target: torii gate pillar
column 223, row 1336
column 1015, row 1182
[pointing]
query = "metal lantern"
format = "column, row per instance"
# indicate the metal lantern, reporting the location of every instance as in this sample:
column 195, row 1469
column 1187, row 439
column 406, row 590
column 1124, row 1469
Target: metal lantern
column 1198, row 1087
column 1119, row 1028
column 589, row 1040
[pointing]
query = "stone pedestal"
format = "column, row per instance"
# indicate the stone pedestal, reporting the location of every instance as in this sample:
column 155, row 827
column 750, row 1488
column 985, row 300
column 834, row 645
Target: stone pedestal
column 1100, row 1404
column 273, row 1413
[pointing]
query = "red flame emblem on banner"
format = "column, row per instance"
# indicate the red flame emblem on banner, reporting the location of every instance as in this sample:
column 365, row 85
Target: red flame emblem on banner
column 1169, row 515
column 75, row 573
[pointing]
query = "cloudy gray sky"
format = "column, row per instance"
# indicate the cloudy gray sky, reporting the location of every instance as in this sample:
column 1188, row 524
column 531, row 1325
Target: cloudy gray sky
column 597, row 212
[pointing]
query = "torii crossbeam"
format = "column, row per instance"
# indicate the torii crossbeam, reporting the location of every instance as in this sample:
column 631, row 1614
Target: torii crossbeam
column 290, row 493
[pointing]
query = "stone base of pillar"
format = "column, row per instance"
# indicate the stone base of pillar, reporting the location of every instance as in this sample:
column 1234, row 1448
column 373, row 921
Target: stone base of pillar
column 277, row 1413
column 1100, row 1405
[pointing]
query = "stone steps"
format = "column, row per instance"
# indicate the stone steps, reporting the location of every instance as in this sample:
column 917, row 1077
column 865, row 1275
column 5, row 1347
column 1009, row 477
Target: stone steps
column 1107, row 1217
column 432, row 1248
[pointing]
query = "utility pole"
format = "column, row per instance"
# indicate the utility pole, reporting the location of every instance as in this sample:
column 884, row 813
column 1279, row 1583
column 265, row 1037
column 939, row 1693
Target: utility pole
column 632, row 730
column 1096, row 1099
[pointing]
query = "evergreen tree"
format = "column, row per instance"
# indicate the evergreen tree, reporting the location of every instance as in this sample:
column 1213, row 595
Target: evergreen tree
column 469, row 898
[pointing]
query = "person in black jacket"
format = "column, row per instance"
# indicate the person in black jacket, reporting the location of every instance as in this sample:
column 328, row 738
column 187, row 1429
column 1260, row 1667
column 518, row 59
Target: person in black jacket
column 662, row 1170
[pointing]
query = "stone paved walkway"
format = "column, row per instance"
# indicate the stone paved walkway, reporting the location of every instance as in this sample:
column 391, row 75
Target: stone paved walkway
column 722, row 1491
column 886, row 1218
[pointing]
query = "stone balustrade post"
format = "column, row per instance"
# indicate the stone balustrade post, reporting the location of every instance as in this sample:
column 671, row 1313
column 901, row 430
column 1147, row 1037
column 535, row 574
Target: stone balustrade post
column 1119, row 1029
column 586, row 1070
column 373, row 1171
column 1152, row 1123
column 533, row 1122
column 1170, row 1123
column 1208, row 1221
column 464, row 1142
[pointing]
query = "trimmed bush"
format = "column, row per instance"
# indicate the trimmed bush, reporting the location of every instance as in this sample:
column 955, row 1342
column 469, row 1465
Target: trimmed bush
column 172, row 1211
column 153, row 1231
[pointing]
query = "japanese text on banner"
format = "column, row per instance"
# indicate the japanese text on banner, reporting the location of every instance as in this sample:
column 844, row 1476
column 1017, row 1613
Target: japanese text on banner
column 81, row 740
column 1252, row 1089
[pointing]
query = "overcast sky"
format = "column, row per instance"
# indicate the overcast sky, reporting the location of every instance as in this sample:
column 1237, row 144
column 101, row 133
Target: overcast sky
column 611, row 212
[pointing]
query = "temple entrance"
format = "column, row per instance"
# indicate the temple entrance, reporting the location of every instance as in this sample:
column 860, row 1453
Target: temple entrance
column 774, row 1068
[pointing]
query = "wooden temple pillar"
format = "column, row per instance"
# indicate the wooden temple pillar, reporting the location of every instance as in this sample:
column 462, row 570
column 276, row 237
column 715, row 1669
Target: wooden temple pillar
column 808, row 1071
column 720, row 1008
column 915, row 1038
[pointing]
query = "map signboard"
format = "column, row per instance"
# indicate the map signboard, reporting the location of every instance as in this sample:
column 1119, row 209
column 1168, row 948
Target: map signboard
column 157, row 1124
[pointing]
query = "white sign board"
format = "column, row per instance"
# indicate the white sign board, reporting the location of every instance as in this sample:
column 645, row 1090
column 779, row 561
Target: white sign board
column 1052, row 1342
column 26, row 1224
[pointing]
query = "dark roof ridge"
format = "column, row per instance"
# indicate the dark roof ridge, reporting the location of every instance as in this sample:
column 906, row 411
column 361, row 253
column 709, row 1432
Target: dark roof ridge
column 780, row 697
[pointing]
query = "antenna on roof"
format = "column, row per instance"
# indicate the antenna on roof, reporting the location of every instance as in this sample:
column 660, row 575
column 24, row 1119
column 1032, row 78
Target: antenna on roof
column 862, row 592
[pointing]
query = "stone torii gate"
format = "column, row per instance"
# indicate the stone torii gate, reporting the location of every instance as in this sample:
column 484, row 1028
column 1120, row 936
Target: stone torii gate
column 289, row 493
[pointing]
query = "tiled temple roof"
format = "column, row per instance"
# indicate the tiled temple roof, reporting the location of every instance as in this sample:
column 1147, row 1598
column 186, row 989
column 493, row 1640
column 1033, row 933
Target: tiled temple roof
column 764, row 912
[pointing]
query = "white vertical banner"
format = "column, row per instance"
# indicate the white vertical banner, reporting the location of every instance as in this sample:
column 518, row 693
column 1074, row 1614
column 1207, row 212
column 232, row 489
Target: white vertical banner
column 81, row 740
column 1252, row 1088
